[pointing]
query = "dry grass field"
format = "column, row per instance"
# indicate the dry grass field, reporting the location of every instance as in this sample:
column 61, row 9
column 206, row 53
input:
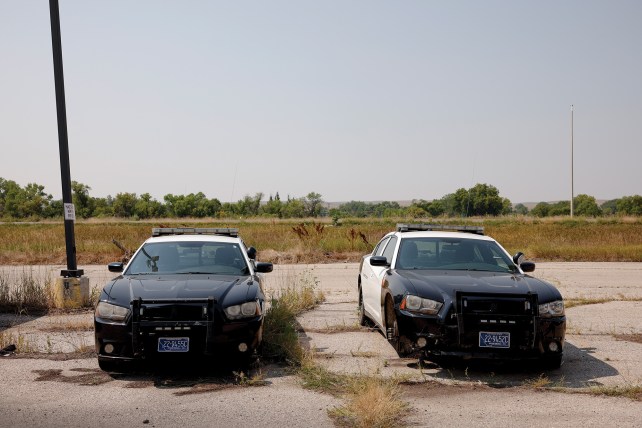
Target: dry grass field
column 319, row 241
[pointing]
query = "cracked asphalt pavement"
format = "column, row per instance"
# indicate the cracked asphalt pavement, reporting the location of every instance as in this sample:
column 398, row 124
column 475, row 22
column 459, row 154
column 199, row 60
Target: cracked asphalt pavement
column 50, row 387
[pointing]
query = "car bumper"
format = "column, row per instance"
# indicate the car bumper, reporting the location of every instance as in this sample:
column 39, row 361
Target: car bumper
column 126, row 342
column 530, row 337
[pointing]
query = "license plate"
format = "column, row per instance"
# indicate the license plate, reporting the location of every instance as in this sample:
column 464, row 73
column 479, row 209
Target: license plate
column 173, row 344
column 494, row 339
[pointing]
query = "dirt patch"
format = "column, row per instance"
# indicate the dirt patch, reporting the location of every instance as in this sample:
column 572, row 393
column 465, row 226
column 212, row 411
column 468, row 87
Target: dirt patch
column 88, row 377
column 636, row 338
column 425, row 390
column 82, row 354
column 140, row 384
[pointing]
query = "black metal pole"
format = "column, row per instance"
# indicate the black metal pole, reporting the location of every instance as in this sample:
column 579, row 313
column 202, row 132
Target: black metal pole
column 70, row 240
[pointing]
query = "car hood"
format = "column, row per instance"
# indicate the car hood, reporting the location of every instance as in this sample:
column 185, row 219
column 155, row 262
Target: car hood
column 124, row 289
column 446, row 283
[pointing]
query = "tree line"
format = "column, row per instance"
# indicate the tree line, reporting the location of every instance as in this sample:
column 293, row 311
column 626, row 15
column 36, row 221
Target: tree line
column 32, row 202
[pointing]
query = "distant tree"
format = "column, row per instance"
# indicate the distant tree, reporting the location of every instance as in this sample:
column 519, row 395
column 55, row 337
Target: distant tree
column 272, row 207
column 191, row 205
column 249, row 206
column 313, row 203
column 414, row 211
column 630, row 205
column 34, row 200
column 586, row 205
column 560, row 208
column 148, row 207
column 83, row 203
column 103, row 207
column 354, row 209
column 480, row 200
column 125, row 204
column 542, row 209
column 450, row 205
column 293, row 208
column 387, row 209
column 18, row 202
column 54, row 209
column 520, row 209
column 10, row 198
column 609, row 207
column 431, row 208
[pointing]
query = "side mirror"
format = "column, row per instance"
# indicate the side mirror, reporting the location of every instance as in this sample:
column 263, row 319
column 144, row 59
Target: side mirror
column 527, row 266
column 518, row 258
column 264, row 267
column 379, row 261
column 115, row 267
column 251, row 253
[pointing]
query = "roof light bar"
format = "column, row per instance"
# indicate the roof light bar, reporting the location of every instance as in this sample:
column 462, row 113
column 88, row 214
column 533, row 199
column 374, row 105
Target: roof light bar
column 479, row 230
column 226, row 231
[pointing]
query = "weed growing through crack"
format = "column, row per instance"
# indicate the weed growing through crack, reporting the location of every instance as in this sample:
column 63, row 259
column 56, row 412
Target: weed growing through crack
column 542, row 381
column 25, row 291
column 371, row 401
column 257, row 379
column 633, row 392
column 280, row 335
column 21, row 343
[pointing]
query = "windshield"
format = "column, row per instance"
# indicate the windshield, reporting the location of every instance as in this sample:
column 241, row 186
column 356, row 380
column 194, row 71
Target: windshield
column 453, row 254
column 189, row 257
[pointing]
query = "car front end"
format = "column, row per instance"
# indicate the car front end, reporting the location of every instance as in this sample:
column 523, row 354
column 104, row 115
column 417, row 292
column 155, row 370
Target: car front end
column 204, row 305
column 486, row 325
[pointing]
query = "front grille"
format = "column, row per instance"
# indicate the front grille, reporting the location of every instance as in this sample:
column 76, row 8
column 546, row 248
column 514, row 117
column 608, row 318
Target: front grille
column 495, row 306
column 501, row 313
column 154, row 318
column 172, row 313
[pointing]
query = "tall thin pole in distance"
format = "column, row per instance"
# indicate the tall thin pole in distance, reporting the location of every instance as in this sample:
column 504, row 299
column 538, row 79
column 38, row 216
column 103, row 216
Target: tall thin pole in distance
column 572, row 190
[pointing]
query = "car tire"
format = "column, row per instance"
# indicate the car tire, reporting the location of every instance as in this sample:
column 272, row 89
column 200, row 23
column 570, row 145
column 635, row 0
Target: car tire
column 363, row 319
column 401, row 344
column 392, row 329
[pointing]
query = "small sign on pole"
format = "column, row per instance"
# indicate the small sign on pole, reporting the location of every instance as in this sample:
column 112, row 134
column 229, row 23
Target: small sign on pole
column 70, row 212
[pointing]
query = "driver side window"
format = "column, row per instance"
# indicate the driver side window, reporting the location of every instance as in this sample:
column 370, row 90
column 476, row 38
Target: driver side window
column 380, row 247
column 390, row 249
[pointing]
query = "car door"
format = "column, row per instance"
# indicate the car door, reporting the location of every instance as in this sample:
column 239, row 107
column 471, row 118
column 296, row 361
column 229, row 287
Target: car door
column 371, row 284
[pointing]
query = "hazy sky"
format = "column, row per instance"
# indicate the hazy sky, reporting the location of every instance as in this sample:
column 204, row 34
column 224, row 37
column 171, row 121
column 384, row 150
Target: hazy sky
column 356, row 100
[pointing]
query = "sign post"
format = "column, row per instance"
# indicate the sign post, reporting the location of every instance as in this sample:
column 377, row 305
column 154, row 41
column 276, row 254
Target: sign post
column 69, row 211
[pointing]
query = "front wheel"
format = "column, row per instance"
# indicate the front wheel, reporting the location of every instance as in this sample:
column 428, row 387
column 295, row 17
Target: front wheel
column 392, row 329
column 363, row 319
column 400, row 343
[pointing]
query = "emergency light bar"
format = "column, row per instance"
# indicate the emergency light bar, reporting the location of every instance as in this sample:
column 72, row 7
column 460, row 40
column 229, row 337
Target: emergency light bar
column 479, row 230
column 226, row 231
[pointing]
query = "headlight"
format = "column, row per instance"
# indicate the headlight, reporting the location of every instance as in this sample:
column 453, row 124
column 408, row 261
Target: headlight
column 245, row 310
column 552, row 309
column 423, row 306
column 111, row 312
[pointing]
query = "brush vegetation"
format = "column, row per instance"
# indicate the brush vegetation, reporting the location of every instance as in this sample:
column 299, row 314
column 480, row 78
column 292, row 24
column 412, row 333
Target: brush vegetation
column 370, row 400
column 280, row 327
column 321, row 241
